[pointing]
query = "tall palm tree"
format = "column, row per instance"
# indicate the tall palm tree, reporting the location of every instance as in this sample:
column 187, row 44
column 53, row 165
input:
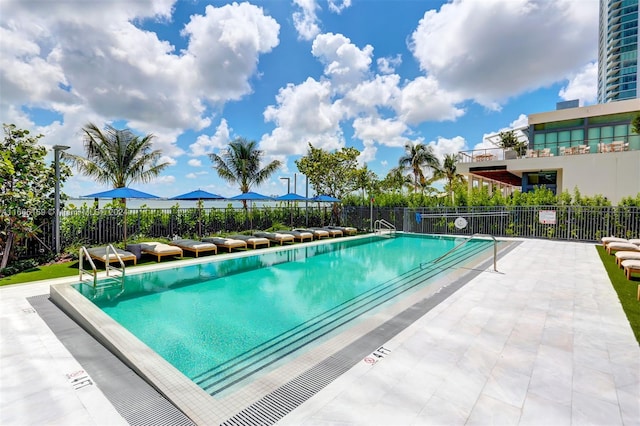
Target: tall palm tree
column 417, row 157
column 449, row 171
column 117, row 157
column 240, row 164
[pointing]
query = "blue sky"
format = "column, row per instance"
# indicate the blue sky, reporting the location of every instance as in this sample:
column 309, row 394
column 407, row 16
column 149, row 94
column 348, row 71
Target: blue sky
column 372, row 74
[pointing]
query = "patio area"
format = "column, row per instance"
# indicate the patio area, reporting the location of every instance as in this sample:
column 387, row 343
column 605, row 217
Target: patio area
column 542, row 341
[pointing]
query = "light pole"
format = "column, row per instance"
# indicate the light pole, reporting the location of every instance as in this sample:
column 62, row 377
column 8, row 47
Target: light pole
column 56, row 151
column 288, row 183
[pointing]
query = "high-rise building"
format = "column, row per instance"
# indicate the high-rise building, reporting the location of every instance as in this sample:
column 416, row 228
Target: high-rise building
column 618, row 51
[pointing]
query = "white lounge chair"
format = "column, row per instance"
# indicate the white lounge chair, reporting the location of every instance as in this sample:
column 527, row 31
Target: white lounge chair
column 618, row 246
column 160, row 250
column 100, row 253
column 300, row 236
column 228, row 243
column 194, row 246
column 317, row 232
column 252, row 240
column 625, row 255
column 276, row 237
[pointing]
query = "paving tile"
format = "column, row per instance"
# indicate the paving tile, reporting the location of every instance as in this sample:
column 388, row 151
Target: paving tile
column 527, row 345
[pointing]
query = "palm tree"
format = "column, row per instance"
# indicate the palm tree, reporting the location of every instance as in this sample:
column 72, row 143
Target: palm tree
column 117, row 157
column 449, row 171
column 240, row 164
column 416, row 157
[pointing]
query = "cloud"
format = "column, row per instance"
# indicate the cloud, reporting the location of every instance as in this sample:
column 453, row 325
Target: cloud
column 491, row 50
column 241, row 33
column 303, row 114
column 195, row 163
column 306, row 20
column 388, row 65
column 208, row 144
column 166, row 159
column 583, row 85
column 61, row 57
column 424, row 100
column 344, row 63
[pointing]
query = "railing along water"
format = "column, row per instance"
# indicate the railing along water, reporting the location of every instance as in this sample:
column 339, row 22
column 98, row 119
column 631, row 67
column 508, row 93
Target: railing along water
column 495, row 251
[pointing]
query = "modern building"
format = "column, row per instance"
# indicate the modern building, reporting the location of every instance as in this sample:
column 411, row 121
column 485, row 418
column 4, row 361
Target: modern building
column 618, row 51
column 590, row 148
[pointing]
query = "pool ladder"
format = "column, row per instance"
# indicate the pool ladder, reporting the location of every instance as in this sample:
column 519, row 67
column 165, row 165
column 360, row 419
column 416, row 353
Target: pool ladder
column 383, row 227
column 111, row 280
column 495, row 251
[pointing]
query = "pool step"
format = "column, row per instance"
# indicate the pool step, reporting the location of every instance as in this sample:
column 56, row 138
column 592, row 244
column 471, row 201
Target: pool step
column 244, row 365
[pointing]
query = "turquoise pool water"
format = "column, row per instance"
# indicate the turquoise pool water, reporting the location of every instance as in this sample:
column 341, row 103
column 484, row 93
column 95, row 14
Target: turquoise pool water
column 220, row 322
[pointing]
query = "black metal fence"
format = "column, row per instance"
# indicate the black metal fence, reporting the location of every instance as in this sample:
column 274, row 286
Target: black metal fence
column 577, row 223
column 101, row 226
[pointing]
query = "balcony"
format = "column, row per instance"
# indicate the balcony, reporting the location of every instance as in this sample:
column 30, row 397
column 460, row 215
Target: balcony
column 489, row 155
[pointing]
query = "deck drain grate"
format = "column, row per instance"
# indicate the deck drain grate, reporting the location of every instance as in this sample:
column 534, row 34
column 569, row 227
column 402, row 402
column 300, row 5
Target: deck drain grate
column 134, row 399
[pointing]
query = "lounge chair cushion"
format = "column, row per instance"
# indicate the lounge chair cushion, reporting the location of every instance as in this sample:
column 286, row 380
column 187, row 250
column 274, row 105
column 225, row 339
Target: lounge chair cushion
column 621, row 246
column 228, row 243
column 624, row 255
column 100, row 253
column 160, row 249
column 607, row 240
column 194, row 244
column 252, row 240
column 630, row 265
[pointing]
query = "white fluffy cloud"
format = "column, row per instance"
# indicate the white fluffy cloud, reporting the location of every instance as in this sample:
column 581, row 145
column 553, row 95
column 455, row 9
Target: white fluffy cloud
column 582, row 85
column 61, row 56
column 304, row 114
column 207, row 144
column 194, row 163
column 494, row 49
column 306, row 20
column 344, row 63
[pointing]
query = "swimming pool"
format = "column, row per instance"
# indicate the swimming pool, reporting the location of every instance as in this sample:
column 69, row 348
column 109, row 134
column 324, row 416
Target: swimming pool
column 222, row 321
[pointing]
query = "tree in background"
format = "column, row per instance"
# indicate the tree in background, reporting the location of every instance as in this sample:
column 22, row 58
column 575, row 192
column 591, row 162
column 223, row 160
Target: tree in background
column 635, row 124
column 396, row 180
column 366, row 181
column 509, row 140
column 27, row 185
column 416, row 158
column 449, row 171
column 117, row 157
column 240, row 164
column 330, row 173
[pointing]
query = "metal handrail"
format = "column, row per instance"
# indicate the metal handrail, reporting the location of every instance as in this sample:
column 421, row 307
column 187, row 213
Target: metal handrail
column 495, row 250
column 84, row 252
column 94, row 271
column 378, row 224
column 108, row 264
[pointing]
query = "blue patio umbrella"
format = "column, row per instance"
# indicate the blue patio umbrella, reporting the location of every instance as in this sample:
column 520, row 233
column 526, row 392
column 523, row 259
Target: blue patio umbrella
column 198, row 195
column 292, row 197
column 250, row 196
column 124, row 192
column 325, row 199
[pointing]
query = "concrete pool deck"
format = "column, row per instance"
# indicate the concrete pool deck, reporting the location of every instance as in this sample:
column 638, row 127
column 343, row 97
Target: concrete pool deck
column 544, row 341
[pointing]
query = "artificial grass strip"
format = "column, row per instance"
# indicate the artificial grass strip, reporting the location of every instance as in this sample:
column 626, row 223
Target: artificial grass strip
column 627, row 290
column 58, row 270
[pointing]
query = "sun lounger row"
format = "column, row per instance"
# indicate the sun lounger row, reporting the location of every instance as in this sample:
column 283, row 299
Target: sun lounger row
column 211, row 244
column 627, row 253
